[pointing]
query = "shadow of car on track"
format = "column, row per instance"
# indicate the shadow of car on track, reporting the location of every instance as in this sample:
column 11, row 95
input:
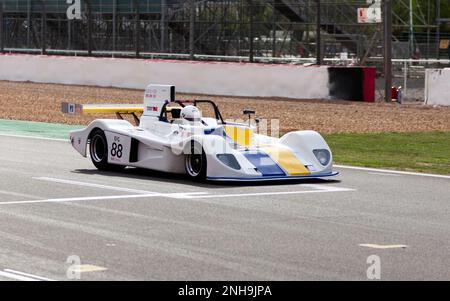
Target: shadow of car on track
column 152, row 175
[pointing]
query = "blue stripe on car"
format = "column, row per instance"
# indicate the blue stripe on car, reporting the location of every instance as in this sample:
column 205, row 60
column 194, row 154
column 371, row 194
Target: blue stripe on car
column 264, row 164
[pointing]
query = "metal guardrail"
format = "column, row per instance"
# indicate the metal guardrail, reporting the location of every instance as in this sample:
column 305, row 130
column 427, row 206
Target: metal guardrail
column 293, row 60
column 151, row 55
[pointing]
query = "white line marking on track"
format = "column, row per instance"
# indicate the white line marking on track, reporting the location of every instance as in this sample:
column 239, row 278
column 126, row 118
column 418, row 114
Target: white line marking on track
column 149, row 194
column 94, row 198
column 34, row 137
column 319, row 190
column 383, row 247
column 15, row 275
column 28, row 275
column 110, row 197
column 123, row 189
column 85, row 184
column 406, row 173
column 87, row 268
column 327, row 187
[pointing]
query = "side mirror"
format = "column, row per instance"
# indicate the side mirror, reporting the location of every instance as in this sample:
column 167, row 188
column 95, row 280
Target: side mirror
column 249, row 113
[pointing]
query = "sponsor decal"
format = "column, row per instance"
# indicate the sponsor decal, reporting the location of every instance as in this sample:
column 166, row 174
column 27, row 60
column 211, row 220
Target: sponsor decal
column 71, row 108
column 74, row 10
column 151, row 93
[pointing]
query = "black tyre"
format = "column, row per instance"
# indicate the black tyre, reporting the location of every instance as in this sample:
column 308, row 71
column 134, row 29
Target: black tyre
column 98, row 149
column 195, row 162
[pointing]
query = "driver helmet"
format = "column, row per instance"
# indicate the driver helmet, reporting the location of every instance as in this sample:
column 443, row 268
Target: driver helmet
column 191, row 113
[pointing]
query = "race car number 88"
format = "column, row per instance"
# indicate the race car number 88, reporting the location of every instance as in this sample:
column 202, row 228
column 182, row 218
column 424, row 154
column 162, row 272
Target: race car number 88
column 117, row 150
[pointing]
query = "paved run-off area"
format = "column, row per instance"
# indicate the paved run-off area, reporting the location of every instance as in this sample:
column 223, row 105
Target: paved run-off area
column 143, row 225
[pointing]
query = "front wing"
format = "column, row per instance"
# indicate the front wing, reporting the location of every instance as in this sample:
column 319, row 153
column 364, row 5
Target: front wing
column 273, row 178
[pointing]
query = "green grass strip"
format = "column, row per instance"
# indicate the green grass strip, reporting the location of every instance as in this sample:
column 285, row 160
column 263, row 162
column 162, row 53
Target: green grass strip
column 423, row 152
column 36, row 129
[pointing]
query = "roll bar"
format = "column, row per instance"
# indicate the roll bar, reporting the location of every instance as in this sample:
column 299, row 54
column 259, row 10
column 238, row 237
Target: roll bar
column 194, row 102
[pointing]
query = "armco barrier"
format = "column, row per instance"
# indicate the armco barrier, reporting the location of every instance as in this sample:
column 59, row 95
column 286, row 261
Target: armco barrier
column 437, row 87
column 213, row 78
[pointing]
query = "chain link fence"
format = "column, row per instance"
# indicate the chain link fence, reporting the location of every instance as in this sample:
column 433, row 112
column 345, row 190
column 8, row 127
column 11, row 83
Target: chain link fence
column 252, row 28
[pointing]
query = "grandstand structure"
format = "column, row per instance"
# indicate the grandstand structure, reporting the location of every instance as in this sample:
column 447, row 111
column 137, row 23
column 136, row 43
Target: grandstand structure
column 282, row 29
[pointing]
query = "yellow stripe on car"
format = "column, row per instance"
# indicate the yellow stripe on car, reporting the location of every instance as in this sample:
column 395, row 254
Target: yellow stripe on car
column 113, row 109
column 241, row 135
column 287, row 160
column 283, row 156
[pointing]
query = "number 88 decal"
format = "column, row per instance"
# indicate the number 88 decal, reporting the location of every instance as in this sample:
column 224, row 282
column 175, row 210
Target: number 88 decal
column 117, row 150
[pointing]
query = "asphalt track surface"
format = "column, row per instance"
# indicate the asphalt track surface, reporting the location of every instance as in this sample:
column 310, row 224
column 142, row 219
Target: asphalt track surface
column 143, row 225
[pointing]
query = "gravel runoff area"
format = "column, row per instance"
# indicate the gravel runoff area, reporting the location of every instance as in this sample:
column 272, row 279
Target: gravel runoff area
column 42, row 102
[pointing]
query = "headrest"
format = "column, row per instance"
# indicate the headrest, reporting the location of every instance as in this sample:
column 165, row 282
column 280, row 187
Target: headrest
column 176, row 112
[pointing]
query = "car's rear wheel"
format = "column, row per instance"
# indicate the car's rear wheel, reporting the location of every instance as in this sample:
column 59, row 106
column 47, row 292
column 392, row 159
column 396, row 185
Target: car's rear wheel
column 195, row 162
column 98, row 150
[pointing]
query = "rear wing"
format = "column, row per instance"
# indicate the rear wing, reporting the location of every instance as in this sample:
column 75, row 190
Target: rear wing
column 118, row 109
column 155, row 99
column 78, row 109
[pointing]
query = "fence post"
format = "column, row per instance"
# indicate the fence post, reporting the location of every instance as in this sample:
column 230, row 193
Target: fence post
column 28, row 23
column 163, row 26
column 387, row 50
column 136, row 27
column 43, row 27
column 438, row 29
column 191, row 29
column 2, row 47
column 89, row 16
column 114, row 29
column 251, row 38
column 274, row 28
column 405, row 81
column 69, row 34
column 318, row 34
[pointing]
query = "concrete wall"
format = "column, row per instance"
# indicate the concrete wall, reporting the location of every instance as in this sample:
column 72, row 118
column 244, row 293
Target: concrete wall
column 437, row 87
column 215, row 78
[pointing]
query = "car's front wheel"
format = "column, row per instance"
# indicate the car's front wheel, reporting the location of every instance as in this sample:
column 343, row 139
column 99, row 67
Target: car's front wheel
column 195, row 162
column 98, row 150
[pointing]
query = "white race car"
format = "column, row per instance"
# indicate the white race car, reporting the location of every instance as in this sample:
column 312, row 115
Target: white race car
column 172, row 136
